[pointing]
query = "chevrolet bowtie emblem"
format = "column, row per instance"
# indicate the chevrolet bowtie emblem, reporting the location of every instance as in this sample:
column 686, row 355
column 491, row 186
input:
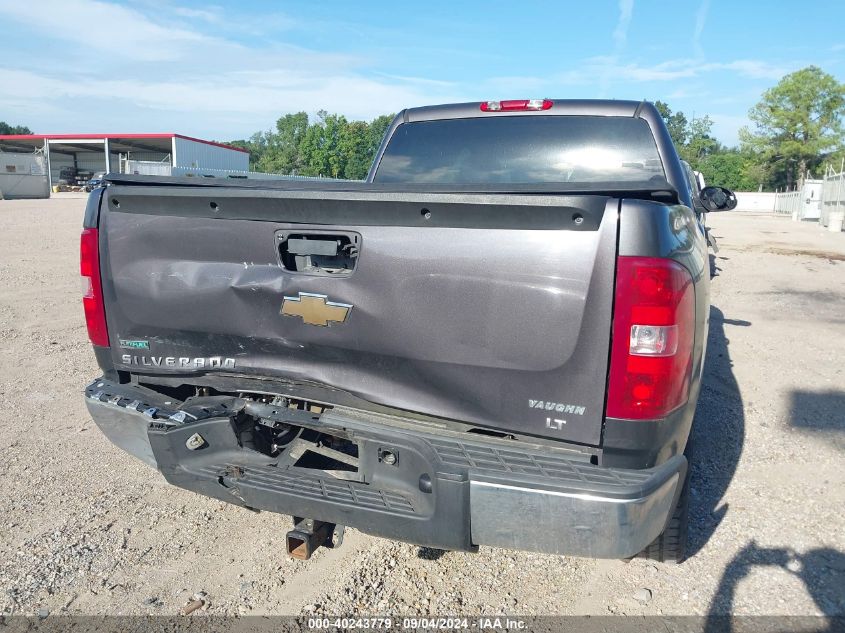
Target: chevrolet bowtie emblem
column 315, row 309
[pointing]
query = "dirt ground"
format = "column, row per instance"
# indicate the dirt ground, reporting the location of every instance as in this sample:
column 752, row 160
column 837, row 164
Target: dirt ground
column 86, row 529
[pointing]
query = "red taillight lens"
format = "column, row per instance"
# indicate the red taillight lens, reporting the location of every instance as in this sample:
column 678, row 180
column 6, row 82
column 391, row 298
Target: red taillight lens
column 515, row 105
column 653, row 331
column 92, row 300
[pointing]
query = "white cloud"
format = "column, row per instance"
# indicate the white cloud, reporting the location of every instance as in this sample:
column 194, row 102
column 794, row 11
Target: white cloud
column 115, row 30
column 700, row 20
column 254, row 98
column 608, row 69
column 620, row 33
column 754, row 68
column 213, row 15
column 218, row 17
column 620, row 37
column 175, row 73
column 419, row 81
column 667, row 71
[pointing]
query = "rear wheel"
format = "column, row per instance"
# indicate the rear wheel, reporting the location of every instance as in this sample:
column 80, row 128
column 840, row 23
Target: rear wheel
column 671, row 546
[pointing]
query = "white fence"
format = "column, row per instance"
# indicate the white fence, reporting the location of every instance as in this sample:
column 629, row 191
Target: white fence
column 146, row 167
column 802, row 204
column 153, row 168
column 833, row 196
column 760, row 201
column 788, row 203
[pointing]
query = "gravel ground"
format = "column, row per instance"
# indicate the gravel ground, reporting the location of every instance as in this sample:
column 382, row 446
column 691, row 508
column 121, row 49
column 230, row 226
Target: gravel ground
column 86, row 529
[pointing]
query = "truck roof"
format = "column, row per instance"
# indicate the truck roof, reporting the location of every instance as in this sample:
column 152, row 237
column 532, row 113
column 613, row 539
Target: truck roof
column 560, row 107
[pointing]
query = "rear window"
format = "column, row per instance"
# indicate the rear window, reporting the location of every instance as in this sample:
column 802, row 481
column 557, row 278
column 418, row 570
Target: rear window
column 586, row 150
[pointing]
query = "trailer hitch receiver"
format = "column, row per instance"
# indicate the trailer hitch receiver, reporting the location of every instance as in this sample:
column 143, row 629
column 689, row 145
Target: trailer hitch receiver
column 309, row 534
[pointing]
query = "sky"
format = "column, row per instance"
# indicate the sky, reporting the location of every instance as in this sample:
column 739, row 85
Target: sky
column 224, row 71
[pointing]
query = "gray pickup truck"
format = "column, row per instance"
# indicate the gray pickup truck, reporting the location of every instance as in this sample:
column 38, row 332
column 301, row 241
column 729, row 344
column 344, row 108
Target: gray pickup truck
column 497, row 339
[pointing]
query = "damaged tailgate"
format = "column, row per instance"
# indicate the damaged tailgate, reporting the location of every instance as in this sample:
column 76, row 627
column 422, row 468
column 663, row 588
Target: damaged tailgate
column 488, row 309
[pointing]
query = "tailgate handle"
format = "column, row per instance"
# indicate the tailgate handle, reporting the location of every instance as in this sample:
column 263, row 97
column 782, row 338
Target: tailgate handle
column 326, row 253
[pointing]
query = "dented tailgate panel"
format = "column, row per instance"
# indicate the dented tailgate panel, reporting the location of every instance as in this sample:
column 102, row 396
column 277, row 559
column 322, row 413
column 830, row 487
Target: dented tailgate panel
column 496, row 326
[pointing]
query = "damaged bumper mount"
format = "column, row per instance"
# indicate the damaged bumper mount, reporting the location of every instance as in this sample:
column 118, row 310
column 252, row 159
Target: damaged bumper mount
column 417, row 484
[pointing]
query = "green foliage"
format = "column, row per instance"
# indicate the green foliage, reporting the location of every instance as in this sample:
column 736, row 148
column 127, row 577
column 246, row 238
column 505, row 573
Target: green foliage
column 675, row 121
column 798, row 127
column 692, row 138
column 700, row 143
column 798, row 124
column 5, row 128
column 732, row 169
column 330, row 146
column 281, row 153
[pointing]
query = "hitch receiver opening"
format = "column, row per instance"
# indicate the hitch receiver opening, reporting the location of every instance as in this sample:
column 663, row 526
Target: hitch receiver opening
column 308, row 534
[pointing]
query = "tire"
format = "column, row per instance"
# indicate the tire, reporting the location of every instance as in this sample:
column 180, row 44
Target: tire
column 671, row 546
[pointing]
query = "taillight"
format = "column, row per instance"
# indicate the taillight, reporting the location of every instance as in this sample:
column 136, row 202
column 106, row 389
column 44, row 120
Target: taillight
column 653, row 332
column 515, row 105
column 92, row 300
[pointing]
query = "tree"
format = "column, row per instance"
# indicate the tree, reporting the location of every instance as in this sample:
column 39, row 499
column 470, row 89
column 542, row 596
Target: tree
column 375, row 134
column 354, row 147
column 798, row 123
column 360, row 142
column 256, row 146
column 5, row 128
column 330, row 146
column 699, row 141
column 284, row 147
column 692, row 138
column 320, row 152
column 377, row 129
column 675, row 121
column 732, row 169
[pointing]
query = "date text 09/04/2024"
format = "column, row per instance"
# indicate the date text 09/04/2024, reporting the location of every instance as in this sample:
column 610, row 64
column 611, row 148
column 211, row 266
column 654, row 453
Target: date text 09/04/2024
column 415, row 623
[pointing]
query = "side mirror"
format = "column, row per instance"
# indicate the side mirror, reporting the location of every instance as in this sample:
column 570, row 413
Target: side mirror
column 718, row 199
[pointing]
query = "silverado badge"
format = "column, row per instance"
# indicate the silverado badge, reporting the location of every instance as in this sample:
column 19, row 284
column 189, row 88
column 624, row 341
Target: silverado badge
column 315, row 309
